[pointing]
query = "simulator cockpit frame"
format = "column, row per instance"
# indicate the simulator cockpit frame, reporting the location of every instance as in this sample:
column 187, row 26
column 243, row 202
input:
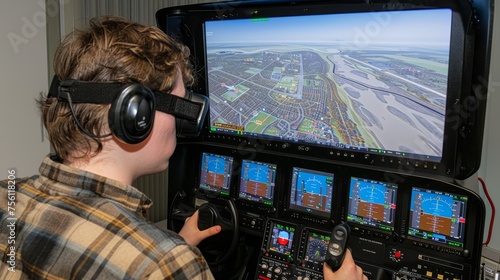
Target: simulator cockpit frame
column 324, row 112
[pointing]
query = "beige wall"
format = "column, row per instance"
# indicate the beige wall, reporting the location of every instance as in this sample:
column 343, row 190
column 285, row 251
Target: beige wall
column 23, row 75
column 490, row 164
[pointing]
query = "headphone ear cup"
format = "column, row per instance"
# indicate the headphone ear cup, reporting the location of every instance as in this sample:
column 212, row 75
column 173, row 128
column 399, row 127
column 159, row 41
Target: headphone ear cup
column 132, row 113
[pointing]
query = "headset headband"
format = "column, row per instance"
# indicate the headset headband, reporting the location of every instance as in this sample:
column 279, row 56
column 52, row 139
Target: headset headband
column 105, row 93
column 131, row 114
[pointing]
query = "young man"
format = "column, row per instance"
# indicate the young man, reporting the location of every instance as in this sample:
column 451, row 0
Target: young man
column 80, row 217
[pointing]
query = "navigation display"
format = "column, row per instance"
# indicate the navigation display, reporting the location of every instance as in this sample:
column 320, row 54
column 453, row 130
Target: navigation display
column 257, row 181
column 372, row 203
column 374, row 81
column 317, row 245
column 282, row 239
column 215, row 173
column 311, row 192
column 438, row 216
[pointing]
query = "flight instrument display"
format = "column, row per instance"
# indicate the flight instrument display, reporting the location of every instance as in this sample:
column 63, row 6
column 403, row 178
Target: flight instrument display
column 281, row 240
column 311, row 191
column 215, row 173
column 372, row 203
column 438, row 216
column 317, row 245
column 257, row 181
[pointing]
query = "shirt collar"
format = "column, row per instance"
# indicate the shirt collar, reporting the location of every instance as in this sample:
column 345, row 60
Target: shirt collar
column 73, row 181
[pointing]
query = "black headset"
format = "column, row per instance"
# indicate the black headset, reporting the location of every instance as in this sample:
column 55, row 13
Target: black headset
column 132, row 111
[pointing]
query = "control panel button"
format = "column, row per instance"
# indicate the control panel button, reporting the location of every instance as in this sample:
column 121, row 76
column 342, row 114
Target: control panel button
column 397, row 254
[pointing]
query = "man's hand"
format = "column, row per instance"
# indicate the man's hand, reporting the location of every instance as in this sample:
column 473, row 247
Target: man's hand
column 348, row 271
column 192, row 235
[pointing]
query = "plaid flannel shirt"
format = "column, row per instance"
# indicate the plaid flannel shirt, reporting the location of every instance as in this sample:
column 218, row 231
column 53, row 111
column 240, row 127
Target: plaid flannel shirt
column 70, row 224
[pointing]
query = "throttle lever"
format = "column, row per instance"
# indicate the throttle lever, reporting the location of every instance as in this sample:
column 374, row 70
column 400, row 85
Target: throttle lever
column 337, row 246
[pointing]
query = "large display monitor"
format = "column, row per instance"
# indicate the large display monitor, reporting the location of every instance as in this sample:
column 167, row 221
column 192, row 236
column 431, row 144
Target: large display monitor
column 377, row 84
column 324, row 80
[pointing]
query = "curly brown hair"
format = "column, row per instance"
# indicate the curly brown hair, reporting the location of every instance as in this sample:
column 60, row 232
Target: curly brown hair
column 111, row 49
